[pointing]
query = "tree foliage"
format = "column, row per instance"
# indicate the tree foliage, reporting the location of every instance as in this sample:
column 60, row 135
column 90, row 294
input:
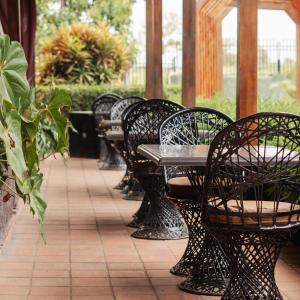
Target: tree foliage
column 52, row 14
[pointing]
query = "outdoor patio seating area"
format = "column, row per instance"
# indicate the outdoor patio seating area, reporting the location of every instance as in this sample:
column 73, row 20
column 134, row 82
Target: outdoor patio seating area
column 89, row 253
column 165, row 190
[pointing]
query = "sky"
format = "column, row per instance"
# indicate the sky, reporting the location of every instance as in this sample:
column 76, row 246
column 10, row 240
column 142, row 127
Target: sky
column 272, row 24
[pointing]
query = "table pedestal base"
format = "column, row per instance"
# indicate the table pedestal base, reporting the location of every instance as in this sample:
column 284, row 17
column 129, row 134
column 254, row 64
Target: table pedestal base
column 210, row 273
column 162, row 221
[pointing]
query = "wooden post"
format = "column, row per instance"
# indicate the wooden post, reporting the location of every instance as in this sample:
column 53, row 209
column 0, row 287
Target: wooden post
column 298, row 62
column 220, row 80
column 247, row 58
column 154, row 76
column 13, row 20
column 189, row 53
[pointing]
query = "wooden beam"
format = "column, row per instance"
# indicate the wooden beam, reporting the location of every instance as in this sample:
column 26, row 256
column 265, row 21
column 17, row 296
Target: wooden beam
column 154, row 76
column 298, row 63
column 247, row 58
column 13, row 27
column 189, row 53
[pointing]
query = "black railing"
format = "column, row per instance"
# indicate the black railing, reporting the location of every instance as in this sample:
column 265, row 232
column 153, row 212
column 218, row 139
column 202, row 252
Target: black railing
column 273, row 58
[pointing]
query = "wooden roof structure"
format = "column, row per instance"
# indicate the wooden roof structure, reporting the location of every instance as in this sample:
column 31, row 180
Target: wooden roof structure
column 202, row 73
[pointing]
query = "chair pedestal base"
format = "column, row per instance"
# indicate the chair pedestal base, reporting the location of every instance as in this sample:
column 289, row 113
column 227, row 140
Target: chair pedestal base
column 210, row 272
column 190, row 211
column 123, row 182
column 109, row 158
column 134, row 191
column 162, row 221
column 252, row 258
column 103, row 151
column 140, row 215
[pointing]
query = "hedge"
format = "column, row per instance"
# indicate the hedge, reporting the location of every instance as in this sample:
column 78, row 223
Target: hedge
column 84, row 95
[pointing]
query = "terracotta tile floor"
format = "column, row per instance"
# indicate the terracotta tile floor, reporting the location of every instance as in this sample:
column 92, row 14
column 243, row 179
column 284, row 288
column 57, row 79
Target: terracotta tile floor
column 89, row 253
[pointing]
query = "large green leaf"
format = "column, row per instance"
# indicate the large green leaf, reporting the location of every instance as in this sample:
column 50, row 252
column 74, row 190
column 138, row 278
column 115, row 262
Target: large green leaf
column 23, row 122
column 37, row 203
column 62, row 125
column 13, row 67
column 59, row 99
column 30, row 192
column 12, row 139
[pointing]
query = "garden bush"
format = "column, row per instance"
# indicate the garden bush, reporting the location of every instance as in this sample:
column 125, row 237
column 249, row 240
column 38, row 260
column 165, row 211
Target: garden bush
column 84, row 95
column 83, row 53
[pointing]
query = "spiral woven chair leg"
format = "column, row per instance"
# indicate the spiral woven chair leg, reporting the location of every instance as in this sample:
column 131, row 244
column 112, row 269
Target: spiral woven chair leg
column 103, row 152
column 140, row 215
column 123, row 182
column 113, row 160
column 162, row 221
column 252, row 258
column 135, row 191
column 129, row 183
column 191, row 215
column 210, row 273
column 120, row 149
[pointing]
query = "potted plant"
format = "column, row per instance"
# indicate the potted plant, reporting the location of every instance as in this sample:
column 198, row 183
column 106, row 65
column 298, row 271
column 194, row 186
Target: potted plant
column 29, row 131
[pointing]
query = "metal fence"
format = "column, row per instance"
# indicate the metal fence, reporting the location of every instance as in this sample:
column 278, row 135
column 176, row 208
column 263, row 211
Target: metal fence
column 171, row 70
column 274, row 58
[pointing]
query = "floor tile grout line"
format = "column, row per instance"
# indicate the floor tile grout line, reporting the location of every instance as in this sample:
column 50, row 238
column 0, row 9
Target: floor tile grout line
column 69, row 233
column 132, row 239
column 97, row 226
column 49, row 170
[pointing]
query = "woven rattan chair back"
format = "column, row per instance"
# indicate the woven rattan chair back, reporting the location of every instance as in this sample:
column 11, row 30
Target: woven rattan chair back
column 194, row 126
column 142, row 122
column 253, row 174
column 98, row 99
column 119, row 107
column 101, row 107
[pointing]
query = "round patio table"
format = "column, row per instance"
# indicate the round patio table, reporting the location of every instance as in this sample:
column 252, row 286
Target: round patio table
column 110, row 123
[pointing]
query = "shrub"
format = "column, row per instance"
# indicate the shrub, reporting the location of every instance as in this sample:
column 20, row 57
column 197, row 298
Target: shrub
column 81, row 53
column 84, row 95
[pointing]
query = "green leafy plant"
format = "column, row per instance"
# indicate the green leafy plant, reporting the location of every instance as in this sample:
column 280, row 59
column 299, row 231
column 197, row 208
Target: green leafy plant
column 22, row 127
column 84, row 54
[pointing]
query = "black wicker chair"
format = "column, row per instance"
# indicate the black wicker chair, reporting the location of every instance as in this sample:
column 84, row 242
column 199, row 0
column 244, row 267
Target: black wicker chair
column 251, row 198
column 194, row 126
column 133, row 189
column 102, row 105
column 108, row 158
column 157, row 216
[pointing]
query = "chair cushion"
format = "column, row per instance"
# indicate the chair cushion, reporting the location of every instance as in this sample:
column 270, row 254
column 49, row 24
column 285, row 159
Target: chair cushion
column 253, row 213
column 180, row 187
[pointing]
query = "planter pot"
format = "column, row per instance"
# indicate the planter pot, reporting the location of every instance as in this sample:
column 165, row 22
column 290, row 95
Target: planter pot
column 7, row 208
column 84, row 142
